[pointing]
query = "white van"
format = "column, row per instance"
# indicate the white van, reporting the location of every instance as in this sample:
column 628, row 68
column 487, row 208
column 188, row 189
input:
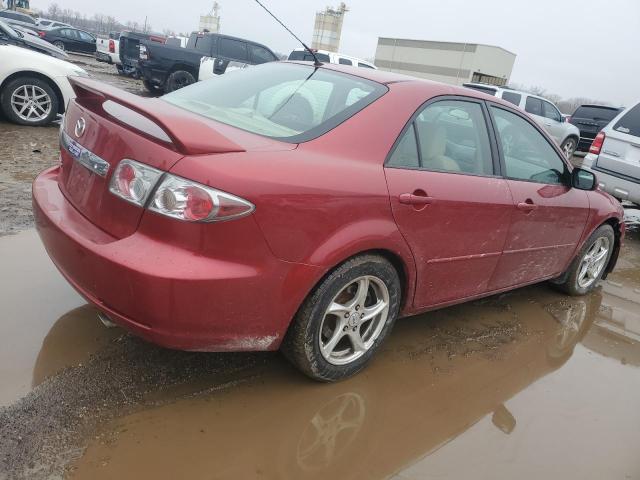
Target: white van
column 300, row 54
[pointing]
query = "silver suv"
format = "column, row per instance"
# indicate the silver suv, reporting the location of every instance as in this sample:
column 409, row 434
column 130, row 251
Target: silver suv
column 614, row 156
column 542, row 111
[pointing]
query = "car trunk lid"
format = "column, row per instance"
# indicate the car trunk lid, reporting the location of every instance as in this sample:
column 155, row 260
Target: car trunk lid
column 105, row 125
column 620, row 154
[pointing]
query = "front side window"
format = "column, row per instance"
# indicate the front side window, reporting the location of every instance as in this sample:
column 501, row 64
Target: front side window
column 203, row 44
column 512, row 97
column 534, row 106
column 527, row 154
column 85, row 36
column 551, row 112
column 290, row 102
column 233, row 49
column 453, row 137
column 630, row 122
column 261, row 55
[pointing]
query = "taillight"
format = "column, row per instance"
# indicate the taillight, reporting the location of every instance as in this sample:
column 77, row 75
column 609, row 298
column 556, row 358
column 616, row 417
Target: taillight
column 133, row 181
column 41, row 34
column 144, row 53
column 596, row 146
column 193, row 202
column 112, row 46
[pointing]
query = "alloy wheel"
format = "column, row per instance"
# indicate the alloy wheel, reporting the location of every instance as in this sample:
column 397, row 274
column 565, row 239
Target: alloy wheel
column 569, row 149
column 31, row 103
column 354, row 320
column 593, row 262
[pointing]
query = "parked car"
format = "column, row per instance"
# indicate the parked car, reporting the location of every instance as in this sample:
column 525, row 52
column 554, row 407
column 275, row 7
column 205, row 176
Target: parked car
column 71, row 39
column 129, row 51
column 17, row 18
column 325, row 56
column 590, row 119
column 34, row 87
column 168, row 68
column 15, row 36
column 542, row 110
column 271, row 208
column 108, row 49
column 615, row 156
column 45, row 23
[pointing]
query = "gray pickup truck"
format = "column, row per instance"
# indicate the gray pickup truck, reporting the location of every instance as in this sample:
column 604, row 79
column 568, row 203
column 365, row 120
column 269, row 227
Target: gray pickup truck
column 165, row 68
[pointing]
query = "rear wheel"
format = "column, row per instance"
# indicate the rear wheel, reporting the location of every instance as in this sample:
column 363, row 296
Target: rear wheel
column 29, row 101
column 569, row 148
column 345, row 319
column 589, row 266
column 178, row 80
column 60, row 45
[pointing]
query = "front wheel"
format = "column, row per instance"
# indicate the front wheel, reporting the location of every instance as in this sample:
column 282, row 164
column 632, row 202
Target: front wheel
column 589, row 266
column 569, row 148
column 29, row 101
column 345, row 319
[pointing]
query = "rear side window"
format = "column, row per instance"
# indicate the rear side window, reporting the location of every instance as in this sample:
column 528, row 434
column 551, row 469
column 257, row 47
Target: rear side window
column 512, row 97
column 203, row 44
column 260, row 54
column 364, row 65
column 534, row 106
column 287, row 101
column 630, row 122
column 233, row 49
column 345, row 61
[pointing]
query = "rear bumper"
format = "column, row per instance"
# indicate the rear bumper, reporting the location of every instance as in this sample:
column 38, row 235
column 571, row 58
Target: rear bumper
column 165, row 293
column 614, row 185
column 153, row 73
column 103, row 57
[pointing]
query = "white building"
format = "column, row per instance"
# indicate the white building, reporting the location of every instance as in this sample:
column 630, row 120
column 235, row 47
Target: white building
column 448, row 62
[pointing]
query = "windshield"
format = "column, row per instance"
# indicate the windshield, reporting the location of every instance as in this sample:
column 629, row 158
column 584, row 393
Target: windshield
column 8, row 30
column 294, row 103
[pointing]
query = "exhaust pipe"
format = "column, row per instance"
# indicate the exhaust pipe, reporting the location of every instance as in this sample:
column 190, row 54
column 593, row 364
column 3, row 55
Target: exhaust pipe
column 106, row 321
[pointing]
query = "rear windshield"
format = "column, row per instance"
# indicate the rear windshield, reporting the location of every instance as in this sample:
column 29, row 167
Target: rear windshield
column 304, row 56
column 290, row 102
column 630, row 122
column 596, row 113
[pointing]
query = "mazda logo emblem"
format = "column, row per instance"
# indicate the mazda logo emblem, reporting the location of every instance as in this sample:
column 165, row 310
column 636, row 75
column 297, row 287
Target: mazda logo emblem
column 80, row 126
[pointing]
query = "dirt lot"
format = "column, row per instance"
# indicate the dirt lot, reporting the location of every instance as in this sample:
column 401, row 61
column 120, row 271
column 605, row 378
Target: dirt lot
column 530, row 384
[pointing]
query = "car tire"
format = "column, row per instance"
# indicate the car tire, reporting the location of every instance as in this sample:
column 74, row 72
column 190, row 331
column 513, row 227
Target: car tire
column 22, row 90
column 151, row 87
column 60, row 45
column 178, row 80
column 569, row 147
column 587, row 268
column 336, row 330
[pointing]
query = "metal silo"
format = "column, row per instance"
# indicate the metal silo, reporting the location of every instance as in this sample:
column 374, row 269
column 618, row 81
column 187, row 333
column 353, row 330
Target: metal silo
column 328, row 28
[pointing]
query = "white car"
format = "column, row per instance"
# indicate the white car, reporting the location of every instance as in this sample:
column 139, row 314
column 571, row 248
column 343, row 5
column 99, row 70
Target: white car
column 614, row 156
column 46, row 23
column 542, row 111
column 34, row 87
column 301, row 54
column 108, row 49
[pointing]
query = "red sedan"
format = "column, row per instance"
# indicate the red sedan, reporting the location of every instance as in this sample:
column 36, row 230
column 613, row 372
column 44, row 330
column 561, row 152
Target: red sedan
column 290, row 207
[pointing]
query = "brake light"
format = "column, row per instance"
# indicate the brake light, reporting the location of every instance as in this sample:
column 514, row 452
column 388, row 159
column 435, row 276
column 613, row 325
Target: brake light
column 193, row 202
column 133, row 181
column 596, row 146
column 41, row 34
column 144, row 53
column 112, row 46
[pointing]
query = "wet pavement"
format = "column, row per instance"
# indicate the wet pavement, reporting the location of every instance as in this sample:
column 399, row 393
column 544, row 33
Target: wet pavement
column 530, row 384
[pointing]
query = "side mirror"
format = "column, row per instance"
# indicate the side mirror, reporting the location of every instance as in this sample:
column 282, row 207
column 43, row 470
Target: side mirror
column 583, row 179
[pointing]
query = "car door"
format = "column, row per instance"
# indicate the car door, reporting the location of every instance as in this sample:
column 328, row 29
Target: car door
column 553, row 121
column 549, row 216
column 87, row 42
column 447, row 199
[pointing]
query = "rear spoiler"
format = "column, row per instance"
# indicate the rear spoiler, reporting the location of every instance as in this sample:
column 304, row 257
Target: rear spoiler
column 181, row 130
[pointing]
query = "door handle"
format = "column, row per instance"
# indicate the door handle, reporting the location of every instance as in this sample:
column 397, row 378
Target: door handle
column 527, row 206
column 413, row 199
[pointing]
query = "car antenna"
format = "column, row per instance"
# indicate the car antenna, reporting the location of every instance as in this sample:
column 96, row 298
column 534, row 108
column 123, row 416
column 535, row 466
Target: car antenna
column 316, row 62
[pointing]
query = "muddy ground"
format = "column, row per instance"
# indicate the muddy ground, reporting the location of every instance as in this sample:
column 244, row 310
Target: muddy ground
column 530, row 384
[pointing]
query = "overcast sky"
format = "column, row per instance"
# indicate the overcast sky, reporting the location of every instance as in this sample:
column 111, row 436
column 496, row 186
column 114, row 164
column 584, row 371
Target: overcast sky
column 569, row 47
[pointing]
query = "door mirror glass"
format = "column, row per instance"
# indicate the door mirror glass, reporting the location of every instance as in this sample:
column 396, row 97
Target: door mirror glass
column 583, row 179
